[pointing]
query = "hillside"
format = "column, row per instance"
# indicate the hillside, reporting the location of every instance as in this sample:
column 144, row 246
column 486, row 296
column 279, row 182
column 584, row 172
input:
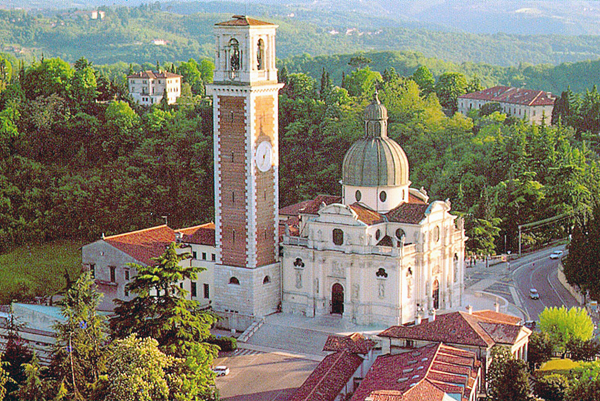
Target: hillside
column 178, row 31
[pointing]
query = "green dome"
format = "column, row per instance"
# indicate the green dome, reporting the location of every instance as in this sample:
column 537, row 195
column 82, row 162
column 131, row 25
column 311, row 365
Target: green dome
column 375, row 160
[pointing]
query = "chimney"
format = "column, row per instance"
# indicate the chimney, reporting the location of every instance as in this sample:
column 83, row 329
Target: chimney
column 496, row 306
column 469, row 309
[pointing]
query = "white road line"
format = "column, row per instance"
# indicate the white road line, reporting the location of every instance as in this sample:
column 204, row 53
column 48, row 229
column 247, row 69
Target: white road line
column 531, row 283
column 554, row 288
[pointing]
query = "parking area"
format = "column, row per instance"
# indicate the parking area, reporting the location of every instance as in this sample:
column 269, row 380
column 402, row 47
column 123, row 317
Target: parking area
column 262, row 376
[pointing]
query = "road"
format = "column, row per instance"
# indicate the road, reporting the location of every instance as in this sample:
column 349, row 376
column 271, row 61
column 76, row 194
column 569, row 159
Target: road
column 541, row 273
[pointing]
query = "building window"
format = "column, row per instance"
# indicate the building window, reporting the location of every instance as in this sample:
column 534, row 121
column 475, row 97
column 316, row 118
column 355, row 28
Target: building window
column 267, row 280
column 234, row 280
column 213, row 257
column 126, row 274
column 400, row 233
column 113, row 274
column 181, row 285
column 410, row 344
column 357, row 195
column 377, row 234
column 298, row 263
column 203, row 255
column 93, row 270
column 338, row 236
column 382, row 196
column 193, row 289
column 206, row 291
column 194, row 255
column 381, row 273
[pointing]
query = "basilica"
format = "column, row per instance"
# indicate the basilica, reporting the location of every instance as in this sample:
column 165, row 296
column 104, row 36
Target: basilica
column 378, row 253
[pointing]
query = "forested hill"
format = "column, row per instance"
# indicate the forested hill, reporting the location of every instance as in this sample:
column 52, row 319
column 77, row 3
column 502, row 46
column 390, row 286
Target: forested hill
column 579, row 76
column 168, row 32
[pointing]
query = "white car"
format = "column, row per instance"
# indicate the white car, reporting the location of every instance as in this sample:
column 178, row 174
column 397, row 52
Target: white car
column 534, row 294
column 221, row 370
column 556, row 254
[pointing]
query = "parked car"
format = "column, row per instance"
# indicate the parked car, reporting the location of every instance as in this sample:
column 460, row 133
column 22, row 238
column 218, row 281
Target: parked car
column 221, row 370
column 530, row 324
column 533, row 294
column 556, row 254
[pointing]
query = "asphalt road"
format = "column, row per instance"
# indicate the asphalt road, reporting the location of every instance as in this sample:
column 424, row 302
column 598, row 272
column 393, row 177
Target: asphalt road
column 541, row 273
column 270, row 376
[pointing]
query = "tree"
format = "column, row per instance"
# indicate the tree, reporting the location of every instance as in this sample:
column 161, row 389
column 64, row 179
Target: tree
column 490, row 108
column 482, row 236
column 50, row 76
column 507, row 377
column 79, row 356
column 4, row 378
column 582, row 264
column 551, row 387
column 359, row 62
column 34, row 388
column 580, row 350
column 83, row 84
column 362, row 82
column 449, row 87
column 424, row 78
column 540, row 349
column 160, row 309
column 16, row 353
column 562, row 325
column 586, row 383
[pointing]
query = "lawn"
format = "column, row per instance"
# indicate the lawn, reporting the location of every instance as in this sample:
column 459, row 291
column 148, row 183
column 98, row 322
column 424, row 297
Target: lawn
column 556, row 365
column 38, row 270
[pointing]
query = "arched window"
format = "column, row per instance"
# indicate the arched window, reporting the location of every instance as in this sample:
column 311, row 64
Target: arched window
column 234, row 55
column 338, row 236
column 260, row 55
column 267, row 280
column 234, row 280
column 377, row 234
column 381, row 273
column 400, row 233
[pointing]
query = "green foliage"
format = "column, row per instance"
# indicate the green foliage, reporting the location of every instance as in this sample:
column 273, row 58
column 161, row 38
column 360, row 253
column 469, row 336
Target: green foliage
column 424, row 78
column 16, row 353
column 551, row 387
column 582, row 264
column 33, row 387
column 224, row 343
column 540, row 349
column 4, row 378
column 50, row 76
column 482, row 236
column 581, row 350
column 362, row 82
column 586, row 384
column 562, row 325
column 490, row 108
column 160, row 309
column 449, row 87
column 79, row 355
column 507, row 377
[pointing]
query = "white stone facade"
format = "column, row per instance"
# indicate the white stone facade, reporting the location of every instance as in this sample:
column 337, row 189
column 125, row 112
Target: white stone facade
column 148, row 87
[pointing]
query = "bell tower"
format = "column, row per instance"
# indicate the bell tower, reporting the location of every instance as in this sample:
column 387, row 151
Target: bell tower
column 246, row 167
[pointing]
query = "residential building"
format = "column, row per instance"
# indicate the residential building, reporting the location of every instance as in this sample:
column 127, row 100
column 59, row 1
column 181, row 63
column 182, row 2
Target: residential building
column 149, row 87
column 477, row 331
column 532, row 105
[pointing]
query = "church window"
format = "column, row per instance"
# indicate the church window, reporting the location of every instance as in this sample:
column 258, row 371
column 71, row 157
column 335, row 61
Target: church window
column 436, row 233
column 260, row 55
column 113, row 274
column 234, row 280
column 358, row 195
column 400, row 233
column 298, row 263
column 338, row 236
column 382, row 196
column 381, row 273
column 377, row 234
column 267, row 280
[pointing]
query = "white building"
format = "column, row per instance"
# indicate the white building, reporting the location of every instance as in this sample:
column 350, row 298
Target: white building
column 532, row 105
column 149, row 87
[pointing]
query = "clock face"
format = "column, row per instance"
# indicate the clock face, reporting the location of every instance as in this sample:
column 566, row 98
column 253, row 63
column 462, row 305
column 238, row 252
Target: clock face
column 264, row 153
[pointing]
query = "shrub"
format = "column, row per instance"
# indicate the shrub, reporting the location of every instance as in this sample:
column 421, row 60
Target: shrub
column 224, row 343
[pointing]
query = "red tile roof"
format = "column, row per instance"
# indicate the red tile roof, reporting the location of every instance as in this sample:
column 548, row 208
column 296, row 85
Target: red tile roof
column 143, row 245
column 355, row 343
column 154, row 75
column 481, row 330
column 414, row 199
column 506, row 94
column 329, row 377
column 408, row 213
column 242, row 20
column 203, row 234
column 310, row 206
column 366, row 215
column 422, row 374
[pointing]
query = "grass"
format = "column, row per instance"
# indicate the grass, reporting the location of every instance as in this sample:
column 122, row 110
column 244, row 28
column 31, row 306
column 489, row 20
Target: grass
column 557, row 365
column 38, row 270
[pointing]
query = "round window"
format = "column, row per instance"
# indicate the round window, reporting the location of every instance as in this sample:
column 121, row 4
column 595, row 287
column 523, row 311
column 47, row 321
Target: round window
column 382, row 196
column 378, row 234
column 357, row 195
column 400, row 233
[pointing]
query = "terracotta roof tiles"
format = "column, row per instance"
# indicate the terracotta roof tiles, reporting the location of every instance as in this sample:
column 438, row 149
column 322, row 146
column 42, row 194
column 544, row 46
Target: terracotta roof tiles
column 203, row 234
column 366, row 215
column 355, row 343
column 143, row 245
column 329, row 377
column 506, row 94
column 408, row 213
column 154, row 75
column 242, row 20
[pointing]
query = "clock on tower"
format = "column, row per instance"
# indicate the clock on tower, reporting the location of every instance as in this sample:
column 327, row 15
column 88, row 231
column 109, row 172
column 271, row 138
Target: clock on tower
column 245, row 105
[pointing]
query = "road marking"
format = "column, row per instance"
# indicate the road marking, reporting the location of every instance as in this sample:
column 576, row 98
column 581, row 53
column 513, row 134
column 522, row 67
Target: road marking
column 244, row 351
column 554, row 288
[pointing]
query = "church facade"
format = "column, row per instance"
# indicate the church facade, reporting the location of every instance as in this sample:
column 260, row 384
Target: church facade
column 380, row 253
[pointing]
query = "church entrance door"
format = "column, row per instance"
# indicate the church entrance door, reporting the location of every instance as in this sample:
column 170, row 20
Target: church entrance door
column 337, row 299
column 436, row 294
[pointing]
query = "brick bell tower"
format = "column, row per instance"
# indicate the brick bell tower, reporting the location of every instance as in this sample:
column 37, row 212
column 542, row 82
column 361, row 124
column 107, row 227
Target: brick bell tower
column 247, row 273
